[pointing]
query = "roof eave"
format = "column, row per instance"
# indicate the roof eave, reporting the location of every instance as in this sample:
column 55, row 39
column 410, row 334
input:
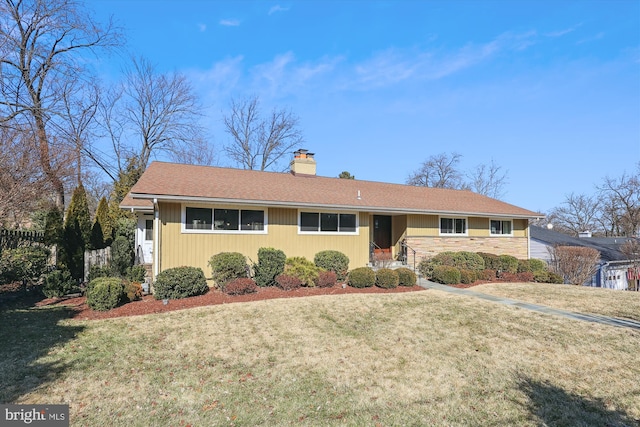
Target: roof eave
column 296, row 205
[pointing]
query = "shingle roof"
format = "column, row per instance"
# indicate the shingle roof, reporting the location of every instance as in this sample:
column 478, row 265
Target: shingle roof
column 179, row 182
column 609, row 247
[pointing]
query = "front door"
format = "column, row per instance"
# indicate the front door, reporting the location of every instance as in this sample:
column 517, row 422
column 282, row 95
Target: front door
column 382, row 232
column 144, row 241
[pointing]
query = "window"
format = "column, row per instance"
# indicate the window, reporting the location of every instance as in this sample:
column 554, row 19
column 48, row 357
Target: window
column 325, row 222
column 501, row 227
column 148, row 229
column 224, row 219
column 198, row 219
column 453, row 226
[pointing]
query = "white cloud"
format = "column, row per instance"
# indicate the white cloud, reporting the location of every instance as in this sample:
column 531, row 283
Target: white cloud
column 230, row 22
column 277, row 8
column 202, row 27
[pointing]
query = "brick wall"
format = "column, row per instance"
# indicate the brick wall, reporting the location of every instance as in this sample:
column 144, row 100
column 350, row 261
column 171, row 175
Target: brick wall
column 430, row 246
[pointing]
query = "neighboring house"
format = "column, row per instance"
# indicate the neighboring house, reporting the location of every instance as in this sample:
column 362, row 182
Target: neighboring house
column 614, row 268
column 189, row 213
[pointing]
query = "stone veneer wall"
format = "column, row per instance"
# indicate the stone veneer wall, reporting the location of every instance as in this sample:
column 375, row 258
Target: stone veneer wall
column 430, row 246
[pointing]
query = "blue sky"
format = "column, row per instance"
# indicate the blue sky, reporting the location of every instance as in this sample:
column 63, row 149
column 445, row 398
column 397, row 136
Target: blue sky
column 548, row 90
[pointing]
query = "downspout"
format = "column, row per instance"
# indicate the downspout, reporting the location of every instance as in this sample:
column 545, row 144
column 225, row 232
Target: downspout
column 156, row 238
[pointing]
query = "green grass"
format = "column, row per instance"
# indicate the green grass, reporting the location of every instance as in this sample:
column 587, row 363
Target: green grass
column 426, row 358
column 584, row 299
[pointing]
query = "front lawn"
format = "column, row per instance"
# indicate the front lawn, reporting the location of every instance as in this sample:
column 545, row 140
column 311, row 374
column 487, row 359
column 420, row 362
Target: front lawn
column 419, row 358
column 584, row 299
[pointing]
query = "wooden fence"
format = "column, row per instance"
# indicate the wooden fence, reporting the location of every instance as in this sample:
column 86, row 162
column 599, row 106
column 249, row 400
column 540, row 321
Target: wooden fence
column 99, row 257
column 12, row 239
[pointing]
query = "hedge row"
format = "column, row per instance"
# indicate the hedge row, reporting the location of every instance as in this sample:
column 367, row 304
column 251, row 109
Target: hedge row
column 467, row 267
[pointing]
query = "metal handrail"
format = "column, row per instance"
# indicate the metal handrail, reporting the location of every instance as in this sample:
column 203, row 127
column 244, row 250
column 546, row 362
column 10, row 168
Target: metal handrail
column 404, row 246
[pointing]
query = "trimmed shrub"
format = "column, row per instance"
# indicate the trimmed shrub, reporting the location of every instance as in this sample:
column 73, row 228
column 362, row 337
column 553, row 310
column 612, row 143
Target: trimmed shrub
column 524, row 265
column 287, row 282
column 303, row 269
column 464, row 260
column 227, row 266
column 132, row 291
column 241, row 286
column 508, row 263
column 334, row 261
column 537, row 265
column 59, row 283
column 96, row 271
column 180, row 282
column 26, row 264
column 555, row 278
column 105, row 293
column 488, row 274
column 270, row 264
column 468, row 276
column 406, row 277
column 491, row 261
column 327, row 279
column 136, row 273
column 525, row 276
column 446, row 275
column 387, row 278
column 361, row 277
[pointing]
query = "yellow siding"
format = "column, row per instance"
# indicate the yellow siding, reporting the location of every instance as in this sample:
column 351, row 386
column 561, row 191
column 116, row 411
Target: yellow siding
column 422, row 225
column 195, row 249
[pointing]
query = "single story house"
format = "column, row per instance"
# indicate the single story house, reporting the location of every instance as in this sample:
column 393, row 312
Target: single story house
column 614, row 270
column 187, row 213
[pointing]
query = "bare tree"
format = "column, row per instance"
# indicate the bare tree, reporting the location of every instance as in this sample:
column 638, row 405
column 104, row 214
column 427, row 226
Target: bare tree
column 574, row 263
column 21, row 179
column 623, row 208
column 148, row 114
column 439, row 171
column 41, row 43
column 488, row 180
column 577, row 213
column 259, row 143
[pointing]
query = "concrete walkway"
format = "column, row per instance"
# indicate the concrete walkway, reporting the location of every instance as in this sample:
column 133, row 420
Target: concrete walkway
column 604, row 320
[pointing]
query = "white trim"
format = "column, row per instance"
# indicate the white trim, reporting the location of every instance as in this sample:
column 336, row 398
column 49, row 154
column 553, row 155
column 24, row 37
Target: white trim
column 329, row 233
column 454, row 234
column 156, row 239
column 346, row 208
column 239, row 208
column 500, row 234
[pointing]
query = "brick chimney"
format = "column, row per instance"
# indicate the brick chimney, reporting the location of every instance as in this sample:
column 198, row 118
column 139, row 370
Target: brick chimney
column 303, row 163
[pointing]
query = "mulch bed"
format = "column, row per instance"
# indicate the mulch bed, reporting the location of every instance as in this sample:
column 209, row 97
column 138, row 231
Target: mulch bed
column 149, row 304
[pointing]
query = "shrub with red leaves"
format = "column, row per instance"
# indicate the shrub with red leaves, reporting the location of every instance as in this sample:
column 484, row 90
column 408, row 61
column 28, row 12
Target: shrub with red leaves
column 327, row 279
column 288, row 283
column 241, row 286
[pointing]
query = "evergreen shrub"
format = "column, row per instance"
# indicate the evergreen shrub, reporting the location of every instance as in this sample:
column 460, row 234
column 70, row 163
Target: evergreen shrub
column 446, row 275
column 270, row 265
column 227, row 266
column 180, row 282
column 387, row 278
column 25, row 264
column 334, row 261
column 303, row 269
column 105, row 293
column 406, row 277
column 468, row 276
column 361, row 277
column 59, row 283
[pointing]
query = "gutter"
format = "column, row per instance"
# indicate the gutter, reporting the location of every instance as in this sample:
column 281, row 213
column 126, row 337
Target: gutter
column 156, row 239
column 373, row 209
